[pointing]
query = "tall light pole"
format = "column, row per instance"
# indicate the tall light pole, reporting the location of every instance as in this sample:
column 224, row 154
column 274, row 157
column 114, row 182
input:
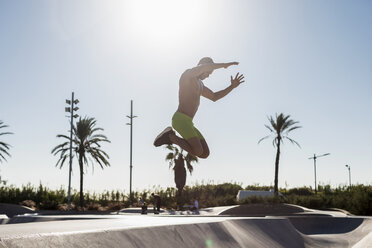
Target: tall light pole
column 71, row 110
column 315, row 157
column 348, row 167
column 131, row 145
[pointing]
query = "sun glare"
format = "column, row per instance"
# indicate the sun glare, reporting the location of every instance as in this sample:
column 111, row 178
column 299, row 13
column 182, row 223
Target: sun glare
column 163, row 21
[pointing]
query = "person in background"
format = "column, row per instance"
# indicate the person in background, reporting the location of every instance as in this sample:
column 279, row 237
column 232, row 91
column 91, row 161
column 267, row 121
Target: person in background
column 196, row 204
column 157, row 203
column 143, row 206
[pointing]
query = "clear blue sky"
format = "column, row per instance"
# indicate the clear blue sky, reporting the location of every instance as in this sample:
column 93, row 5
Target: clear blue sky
column 309, row 59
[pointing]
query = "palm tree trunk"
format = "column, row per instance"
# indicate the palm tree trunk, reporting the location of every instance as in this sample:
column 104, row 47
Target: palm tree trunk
column 179, row 199
column 81, row 181
column 180, row 178
column 277, row 168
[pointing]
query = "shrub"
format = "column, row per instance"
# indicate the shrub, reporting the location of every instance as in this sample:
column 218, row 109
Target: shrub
column 28, row 203
column 357, row 199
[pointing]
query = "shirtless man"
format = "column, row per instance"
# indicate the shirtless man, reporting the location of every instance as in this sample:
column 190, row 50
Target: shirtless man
column 191, row 88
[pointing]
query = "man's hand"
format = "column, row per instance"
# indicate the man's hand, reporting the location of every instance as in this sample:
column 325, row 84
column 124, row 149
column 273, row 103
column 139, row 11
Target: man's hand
column 237, row 80
column 229, row 64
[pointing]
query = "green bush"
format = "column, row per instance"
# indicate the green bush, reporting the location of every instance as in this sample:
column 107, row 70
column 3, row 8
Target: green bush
column 260, row 199
column 357, row 199
column 300, row 191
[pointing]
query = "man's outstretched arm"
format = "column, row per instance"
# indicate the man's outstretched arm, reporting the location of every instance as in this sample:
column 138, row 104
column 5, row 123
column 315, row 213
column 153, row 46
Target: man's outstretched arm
column 214, row 96
column 200, row 69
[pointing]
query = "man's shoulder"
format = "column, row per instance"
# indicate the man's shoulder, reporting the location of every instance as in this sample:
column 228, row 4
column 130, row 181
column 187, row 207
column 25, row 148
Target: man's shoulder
column 189, row 73
column 186, row 73
column 189, row 76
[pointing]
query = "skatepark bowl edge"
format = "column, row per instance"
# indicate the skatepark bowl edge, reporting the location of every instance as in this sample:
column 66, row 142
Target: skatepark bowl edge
column 211, row 227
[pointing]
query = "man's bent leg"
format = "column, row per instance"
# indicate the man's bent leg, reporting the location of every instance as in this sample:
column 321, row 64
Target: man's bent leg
column 196, row 146
column 191, row 137
column 191, row 145
column 205, row 153
column 204, row 144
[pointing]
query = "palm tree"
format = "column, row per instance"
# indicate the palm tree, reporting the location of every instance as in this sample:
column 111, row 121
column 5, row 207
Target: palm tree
column 176, row 159
column 86, row 144
column 4, row 147
column 279, row 128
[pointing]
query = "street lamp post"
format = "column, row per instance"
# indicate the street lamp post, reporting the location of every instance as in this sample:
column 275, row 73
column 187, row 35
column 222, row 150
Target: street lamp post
column 71, row 110
column 315, row 157
column 131, row 145
column 349, row 167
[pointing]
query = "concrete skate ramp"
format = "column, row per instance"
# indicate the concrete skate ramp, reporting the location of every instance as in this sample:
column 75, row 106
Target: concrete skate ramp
column 365, row 242
column 233, row 232
column 325, row 225
column 262, row 210
column 229, row 233
column 339, row 233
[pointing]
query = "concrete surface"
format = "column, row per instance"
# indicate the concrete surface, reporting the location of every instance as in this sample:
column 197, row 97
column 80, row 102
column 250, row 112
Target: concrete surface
column 214, row 211
column 191, row 231
column 262, row 210
column 207, row 228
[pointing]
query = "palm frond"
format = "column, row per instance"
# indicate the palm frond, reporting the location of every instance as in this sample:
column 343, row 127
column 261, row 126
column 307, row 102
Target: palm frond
column 63, row 136
column 104, row 154
column 289, row 124
column 189, row 167
column 100, row 156
column 170, row 147
column 177, row 152
column 169, row 156
column 86, row 144
column 293, row 128
column 96, row 129
column 97, row 158
column 281, row 125
column 4, row 147
column 2, row 124
column 100, row 137
column 3, row 158
column 263, row 139
column 191, row 158
column 4, row 151
column 7, row 146
column 293, row 141
column 57, row 149
column 61, row 161
column 268, row 127
column 272, row 122
column 6, row 133
column 62, row 151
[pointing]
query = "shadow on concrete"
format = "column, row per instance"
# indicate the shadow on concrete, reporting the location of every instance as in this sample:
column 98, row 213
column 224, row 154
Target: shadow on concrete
column 325, row 225
column 11, row 210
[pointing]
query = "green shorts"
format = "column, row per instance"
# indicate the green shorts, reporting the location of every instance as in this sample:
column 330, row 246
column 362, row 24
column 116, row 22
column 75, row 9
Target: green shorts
column 184, row 126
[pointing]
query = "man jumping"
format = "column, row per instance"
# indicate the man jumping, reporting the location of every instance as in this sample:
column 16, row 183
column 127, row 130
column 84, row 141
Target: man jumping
column 191, row 88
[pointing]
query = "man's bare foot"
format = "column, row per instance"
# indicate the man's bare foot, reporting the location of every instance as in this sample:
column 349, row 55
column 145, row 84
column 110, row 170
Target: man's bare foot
column 163, row 137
